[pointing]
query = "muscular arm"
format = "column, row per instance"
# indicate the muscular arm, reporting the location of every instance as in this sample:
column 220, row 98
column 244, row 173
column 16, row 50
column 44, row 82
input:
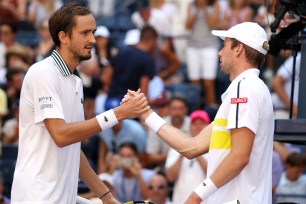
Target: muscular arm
column 242, row 143
column 190, row 147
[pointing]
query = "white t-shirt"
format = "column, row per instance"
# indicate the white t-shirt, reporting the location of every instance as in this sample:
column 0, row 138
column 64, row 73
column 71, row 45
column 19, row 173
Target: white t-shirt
column 285, row 71
column 46, row 173
column 246, row 103
column 189, row 176
column 291, row 191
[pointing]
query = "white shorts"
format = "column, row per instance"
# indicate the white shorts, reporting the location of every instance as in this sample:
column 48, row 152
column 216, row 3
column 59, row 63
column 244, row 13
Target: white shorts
column 202, row 63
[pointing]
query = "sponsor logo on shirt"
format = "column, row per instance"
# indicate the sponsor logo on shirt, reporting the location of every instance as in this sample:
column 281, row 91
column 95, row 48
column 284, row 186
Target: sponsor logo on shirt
column 43, row 106
column 44, row 99
column 239, row 100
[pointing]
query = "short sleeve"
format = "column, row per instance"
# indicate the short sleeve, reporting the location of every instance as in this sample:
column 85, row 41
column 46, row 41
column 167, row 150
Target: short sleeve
column 244, row 105
column 46, row 95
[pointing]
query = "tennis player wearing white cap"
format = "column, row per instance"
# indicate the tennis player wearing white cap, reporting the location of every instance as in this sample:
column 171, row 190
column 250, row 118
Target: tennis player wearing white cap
column 239, row 140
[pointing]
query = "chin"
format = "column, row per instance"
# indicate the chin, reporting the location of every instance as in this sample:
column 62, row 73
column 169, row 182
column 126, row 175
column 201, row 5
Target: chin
column 83, row 58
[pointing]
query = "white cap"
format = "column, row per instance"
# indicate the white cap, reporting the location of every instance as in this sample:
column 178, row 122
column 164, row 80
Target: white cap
column 102, row 31
column 250, row 34
column 132, row 37
column 105, row 177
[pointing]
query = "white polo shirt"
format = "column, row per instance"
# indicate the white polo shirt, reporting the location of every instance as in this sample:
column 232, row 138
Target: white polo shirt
column 246, row 103
column 45, row 173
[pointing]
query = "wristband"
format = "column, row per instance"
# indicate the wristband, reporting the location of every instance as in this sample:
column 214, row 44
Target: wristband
column 206, row 188
column 107, row 119
column 154, row 122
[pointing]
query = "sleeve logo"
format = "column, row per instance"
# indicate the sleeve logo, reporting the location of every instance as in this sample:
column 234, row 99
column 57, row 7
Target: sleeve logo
column 239, row 100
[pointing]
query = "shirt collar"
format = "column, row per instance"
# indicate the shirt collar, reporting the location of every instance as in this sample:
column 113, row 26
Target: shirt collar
column 63, row 68
column 248, row 72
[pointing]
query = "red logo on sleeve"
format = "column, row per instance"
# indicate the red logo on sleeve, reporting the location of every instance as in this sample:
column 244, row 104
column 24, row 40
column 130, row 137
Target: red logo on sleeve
column 239, row 100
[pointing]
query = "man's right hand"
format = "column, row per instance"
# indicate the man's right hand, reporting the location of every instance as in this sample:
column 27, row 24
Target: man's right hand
column 133, row 107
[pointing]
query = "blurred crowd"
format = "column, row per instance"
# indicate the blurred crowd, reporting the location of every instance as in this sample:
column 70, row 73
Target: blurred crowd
column 165, row 48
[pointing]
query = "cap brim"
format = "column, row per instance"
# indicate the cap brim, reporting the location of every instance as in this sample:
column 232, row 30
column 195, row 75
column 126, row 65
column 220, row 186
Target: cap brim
column 222, row 34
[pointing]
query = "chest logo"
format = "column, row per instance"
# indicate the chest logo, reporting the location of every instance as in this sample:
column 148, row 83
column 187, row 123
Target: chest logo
column 239, row 100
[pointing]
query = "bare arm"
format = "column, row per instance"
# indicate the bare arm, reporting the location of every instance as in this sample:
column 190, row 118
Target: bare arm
column 174, row 63
column 212, row 18
column 65, row 134
column 234, row 162
column 202, row 163
column 173, row 171
column 89, row 177
column 191, row 17
column 144, row 84
column 190, row 147
column 278, row 86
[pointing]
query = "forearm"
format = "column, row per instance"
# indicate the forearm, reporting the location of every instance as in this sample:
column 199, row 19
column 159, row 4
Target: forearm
column 202, row 163
column 190, row 147
column 230, row 167
column 89, row 177
column 142, row 185
column 173, row 171
column 65, row 134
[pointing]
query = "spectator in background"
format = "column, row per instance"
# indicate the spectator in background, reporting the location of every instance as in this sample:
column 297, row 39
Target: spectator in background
column 10, row 132
column 3, row 198
column 158, row 14
column 157, row 149
column 158, row 189
column 202, row 51
column 292, row 186
column 281, row 85
column 45, row 45
column 13, row 10
column 130, row 180
column 186, row 173
column 18, row 56
column 14, row 77
column 104, row 54
column 3, row 106
column 125, row 131
column 133, row 67
column 277, row 170
column 8, row 31
column 42, row 9
column 239, row 11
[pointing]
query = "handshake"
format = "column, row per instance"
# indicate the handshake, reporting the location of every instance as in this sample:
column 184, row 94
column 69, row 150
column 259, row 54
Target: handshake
column 134, row 104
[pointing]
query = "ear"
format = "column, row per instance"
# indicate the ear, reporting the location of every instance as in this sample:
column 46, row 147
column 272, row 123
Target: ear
column 239, row 49
column 63, row 37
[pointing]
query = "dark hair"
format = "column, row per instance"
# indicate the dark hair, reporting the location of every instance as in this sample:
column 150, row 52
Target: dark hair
column 11, row 72
column 148, row 32
column 179, row 98
column 253, row 56
column 64, row 19
column 130, row 145
column 12, row 24
column 296, row 159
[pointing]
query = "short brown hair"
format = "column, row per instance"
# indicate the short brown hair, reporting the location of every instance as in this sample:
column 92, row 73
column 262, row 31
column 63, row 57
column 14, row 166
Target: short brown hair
column 64, row 19
column 148, row 32
column 253, row 56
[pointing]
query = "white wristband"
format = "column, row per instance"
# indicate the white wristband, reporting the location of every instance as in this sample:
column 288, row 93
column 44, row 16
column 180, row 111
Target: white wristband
column 107, row 119
column 206, row 188
column 154, row 122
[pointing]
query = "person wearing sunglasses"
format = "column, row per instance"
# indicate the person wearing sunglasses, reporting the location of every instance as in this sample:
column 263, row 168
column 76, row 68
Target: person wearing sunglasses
column 158, row 189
